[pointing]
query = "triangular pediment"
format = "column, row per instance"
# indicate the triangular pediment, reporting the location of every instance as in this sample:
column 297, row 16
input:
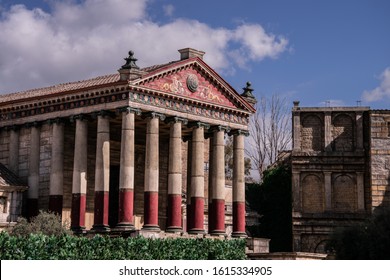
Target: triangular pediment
column 194, row 80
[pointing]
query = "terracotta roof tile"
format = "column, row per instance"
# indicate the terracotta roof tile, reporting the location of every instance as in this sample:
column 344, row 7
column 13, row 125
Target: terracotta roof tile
column 33, row 93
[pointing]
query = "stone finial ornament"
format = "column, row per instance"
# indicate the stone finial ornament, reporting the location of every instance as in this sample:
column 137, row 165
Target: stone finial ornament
column 248, row 95
column 130, row 62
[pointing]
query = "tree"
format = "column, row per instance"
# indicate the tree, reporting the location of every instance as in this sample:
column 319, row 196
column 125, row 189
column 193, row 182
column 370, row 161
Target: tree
column 270, row 132
column 272, row 200
column 367, row 241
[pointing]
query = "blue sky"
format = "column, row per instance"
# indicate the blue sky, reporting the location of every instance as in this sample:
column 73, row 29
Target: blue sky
column 312, row 51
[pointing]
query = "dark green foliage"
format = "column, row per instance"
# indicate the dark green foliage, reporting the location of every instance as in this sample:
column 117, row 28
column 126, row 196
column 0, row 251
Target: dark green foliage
column 369, row 241
column 66, row 247
column 46, row 223
column 272, row 200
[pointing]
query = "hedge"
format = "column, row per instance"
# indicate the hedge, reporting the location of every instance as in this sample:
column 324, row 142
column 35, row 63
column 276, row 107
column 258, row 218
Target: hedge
column 67, row 247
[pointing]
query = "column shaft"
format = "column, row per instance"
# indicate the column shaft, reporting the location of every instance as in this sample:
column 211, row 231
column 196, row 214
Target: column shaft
column 174, row 178
column 197, row 181
column 126, row 179
column 33, row 172
column 238, row 186
column 79, row 184
column 360, row 190
column 57, row 168
column 102, row 174
column 188, row 192
column 14, row 151
column 151, row 175
column 328, row 191
column 218, row 184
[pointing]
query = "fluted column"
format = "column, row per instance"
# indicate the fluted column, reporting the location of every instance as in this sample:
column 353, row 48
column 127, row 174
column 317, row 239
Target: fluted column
column 217, row 225
column 126, row 179
column 57, row 167
column 175, row 175
column 102, row 173
column 239, row 184
column 14, row 150
column 33, row 171
column 152, row 172
column 197, row 179
column 79, row 184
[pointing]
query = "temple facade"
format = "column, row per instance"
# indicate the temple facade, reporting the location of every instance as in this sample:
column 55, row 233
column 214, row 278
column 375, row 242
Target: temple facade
column 340, row 170
column 141, row 149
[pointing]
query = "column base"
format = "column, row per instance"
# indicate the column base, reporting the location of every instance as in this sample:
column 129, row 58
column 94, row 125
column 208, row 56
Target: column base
column 101, row 228
column 154, row 228
column 174, row 229
column 78, row 230
column 124, row 227
column 196, row 231
column 239, row 234
column 218, row 233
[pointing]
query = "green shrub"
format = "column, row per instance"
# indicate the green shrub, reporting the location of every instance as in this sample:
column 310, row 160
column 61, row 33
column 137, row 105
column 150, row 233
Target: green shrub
column 66, row 247
column 45, row 222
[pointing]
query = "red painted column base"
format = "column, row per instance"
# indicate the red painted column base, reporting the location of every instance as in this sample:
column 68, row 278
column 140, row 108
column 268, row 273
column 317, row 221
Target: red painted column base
column 78, row 212
column 32, row 208
column 218, row 217
column 151, row 211
column 126, row 210
column 197, row 215
column 55, row 204
column 239, row 219
column 174, row 213
column 101, row 212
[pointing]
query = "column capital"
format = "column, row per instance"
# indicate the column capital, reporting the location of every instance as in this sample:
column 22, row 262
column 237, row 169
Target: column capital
column 176, row 120
column 81, row 117
column 32, row 124
column 198, row 125
column 239, row 132
column 220, row 128
column 12, row 127
column 56, row 121
column 154, row 115
column 128, row 109
column 103, row 113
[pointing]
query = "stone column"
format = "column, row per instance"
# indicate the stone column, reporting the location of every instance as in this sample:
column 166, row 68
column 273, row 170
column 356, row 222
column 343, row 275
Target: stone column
column 79, row 184
column 328, row 131
column 188, row 191
column 296, row 191
column 102, row 173
column 175, row 175
column 197, row 179
column 217, row 227
column 57, row 167
column 239, row 183
column 359, row 131
column 152, row 172
column 33, row 171
column 328, row 191
column 126, row 179
column 360, row 190
column 296, row 131
column 211, row 184
column 14, row 150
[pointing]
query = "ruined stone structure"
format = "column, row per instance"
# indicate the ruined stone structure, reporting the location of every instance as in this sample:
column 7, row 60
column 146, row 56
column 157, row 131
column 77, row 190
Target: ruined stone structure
column 340, row 170
column 124, row 151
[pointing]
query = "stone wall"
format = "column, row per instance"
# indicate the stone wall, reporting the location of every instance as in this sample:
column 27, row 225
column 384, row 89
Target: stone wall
column 380, row 158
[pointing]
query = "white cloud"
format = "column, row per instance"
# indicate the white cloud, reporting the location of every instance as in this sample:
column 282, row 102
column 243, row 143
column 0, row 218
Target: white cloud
column 382, row 91
column 168, row 10
column 80, row 40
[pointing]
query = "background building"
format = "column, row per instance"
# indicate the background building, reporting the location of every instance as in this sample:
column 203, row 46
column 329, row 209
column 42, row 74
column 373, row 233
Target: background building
column 340, row 170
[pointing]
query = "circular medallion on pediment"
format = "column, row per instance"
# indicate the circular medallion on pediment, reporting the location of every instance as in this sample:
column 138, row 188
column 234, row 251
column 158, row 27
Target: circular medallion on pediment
column 192, row 82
